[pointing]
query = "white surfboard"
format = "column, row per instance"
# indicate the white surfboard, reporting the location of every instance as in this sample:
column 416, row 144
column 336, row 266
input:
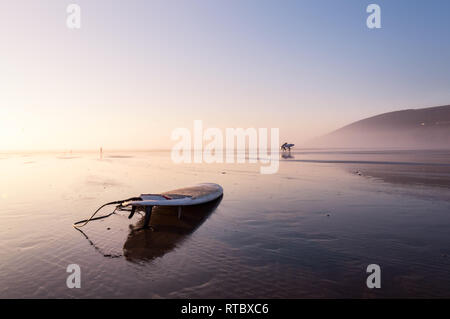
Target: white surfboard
column 194, row 195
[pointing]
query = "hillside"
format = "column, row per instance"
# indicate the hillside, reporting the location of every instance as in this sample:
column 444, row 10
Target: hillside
column 413, row 128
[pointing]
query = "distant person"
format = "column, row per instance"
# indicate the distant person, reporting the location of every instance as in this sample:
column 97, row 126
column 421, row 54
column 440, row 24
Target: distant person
column 287, row 146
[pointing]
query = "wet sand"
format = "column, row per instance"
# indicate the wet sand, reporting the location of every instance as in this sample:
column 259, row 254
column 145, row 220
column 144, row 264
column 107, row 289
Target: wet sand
column 405, row 175
column 308, row 231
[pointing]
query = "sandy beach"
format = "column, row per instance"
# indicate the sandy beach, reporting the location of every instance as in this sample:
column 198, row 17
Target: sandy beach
column 308, row 231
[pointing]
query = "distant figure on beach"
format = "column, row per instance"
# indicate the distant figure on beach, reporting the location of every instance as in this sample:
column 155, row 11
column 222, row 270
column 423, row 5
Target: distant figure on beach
column 286, row 146
column 101, row 152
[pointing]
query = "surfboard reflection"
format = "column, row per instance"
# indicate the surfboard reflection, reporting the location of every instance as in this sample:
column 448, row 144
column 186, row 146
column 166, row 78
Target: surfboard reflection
column 168, row 231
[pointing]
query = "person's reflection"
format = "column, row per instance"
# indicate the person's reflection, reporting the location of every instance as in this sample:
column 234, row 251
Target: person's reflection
column 168, row 231
column 287, row 155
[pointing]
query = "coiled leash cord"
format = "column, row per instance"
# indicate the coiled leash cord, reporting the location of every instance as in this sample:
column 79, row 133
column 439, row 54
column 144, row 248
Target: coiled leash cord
column 119, row 205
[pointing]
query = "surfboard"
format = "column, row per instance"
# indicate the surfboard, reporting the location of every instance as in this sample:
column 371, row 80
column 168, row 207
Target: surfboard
column 194, row 195
column 154, row 236
column 189, row 196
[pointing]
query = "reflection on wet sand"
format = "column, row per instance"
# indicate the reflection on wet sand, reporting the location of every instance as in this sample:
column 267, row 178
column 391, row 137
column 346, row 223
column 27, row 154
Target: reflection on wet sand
column 168, row 231
column 287, row 155
column 407, row 167
column 437, row 176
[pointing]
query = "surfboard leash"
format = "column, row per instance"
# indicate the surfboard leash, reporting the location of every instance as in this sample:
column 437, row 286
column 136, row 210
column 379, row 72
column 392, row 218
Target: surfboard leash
column 119, row 205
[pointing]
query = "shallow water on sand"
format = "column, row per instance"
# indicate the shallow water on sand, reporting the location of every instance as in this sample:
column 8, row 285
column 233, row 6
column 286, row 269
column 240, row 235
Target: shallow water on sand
column 308, row 231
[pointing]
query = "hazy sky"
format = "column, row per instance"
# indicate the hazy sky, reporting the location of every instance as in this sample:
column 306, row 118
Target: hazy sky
column 136, row 70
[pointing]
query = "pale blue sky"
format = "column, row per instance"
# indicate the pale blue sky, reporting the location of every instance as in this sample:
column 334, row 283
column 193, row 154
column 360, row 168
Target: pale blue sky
column 307, row 67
